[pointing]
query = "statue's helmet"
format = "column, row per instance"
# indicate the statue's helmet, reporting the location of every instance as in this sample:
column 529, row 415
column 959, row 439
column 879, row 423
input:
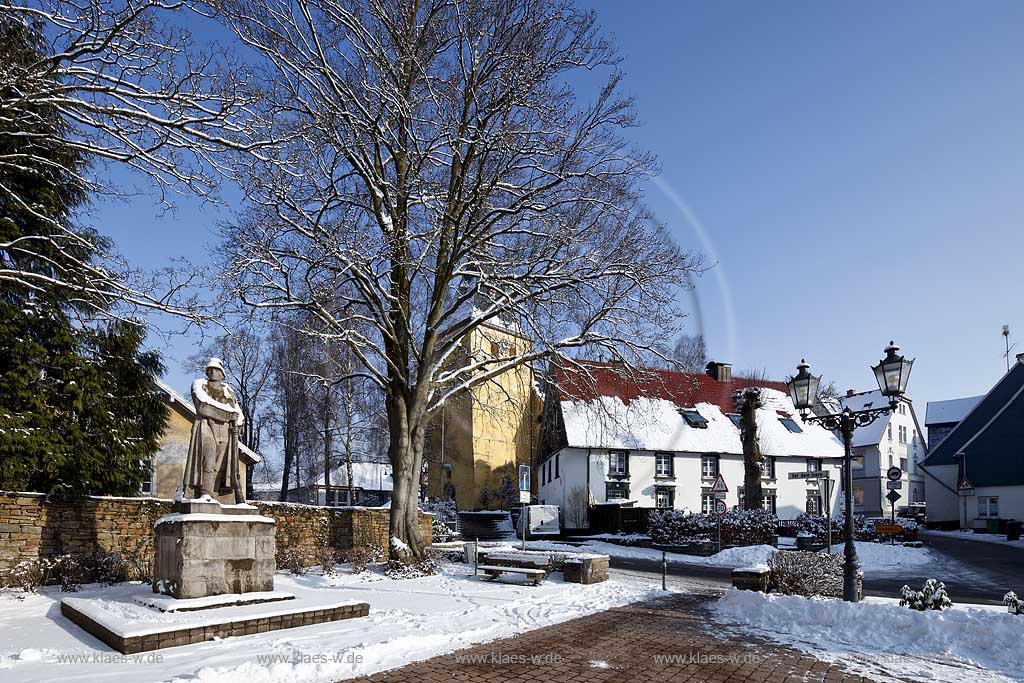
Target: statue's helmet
column 216, row 363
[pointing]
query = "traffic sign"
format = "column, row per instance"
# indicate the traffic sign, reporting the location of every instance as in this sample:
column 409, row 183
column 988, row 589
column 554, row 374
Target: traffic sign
column 816, row 474
column 524, row 497
column 719, row 496
column 894, row 473
column 892, row 497
column 888, row 529
column 893, row 485
column 524, row 478
column 719, row 485
column 965, row 488
column 721, row 507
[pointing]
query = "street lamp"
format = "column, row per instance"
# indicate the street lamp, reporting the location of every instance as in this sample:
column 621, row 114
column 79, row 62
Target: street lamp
column 891, row 373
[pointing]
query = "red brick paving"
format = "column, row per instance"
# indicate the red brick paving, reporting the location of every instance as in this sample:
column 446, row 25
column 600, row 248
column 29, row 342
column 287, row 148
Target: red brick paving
column 632, row 640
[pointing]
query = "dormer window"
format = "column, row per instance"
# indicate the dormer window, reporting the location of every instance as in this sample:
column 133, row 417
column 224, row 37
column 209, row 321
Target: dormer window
column 791, row 425
column 693, row 418
column 735, row 417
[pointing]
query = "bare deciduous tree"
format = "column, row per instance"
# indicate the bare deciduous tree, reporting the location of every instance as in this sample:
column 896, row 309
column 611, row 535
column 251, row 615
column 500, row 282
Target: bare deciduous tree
column 435, row 174
column 132, row 88
column 690, row 353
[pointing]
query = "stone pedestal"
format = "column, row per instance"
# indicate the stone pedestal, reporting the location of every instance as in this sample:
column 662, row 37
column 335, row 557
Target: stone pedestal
column 204, row 549
column 585, row 569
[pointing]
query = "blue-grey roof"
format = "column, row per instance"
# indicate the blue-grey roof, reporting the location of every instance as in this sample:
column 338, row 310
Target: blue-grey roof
column 995, row 455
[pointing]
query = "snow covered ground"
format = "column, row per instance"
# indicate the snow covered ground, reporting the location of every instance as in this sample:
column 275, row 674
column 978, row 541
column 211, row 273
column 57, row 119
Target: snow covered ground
column 875, row 557
column 881, row 640
column 409, row 620
column 970, row 535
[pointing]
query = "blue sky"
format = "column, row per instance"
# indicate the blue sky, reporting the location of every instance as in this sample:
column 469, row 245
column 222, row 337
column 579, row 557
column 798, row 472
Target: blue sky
column 855, row 168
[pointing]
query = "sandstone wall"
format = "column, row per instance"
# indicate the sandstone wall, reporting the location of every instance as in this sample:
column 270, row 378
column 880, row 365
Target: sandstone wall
column 32, row 527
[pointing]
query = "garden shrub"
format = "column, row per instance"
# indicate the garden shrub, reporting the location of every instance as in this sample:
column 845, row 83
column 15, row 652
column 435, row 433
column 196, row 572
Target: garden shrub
column 805, row 573
column 932, row 596
column 739, row 527
column 428, row 566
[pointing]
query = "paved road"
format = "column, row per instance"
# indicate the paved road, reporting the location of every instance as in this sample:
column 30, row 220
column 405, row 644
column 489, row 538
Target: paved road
column 975, row 571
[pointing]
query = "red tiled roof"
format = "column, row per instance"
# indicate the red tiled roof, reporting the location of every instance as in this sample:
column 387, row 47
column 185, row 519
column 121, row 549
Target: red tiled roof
column 685, row 389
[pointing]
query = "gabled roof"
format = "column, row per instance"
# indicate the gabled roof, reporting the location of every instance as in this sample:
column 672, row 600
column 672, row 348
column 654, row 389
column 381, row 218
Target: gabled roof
column 188, row 411
column 869, row 435
column 951, row 411
column 602, row 407
column 945, row 452
column 995, row 455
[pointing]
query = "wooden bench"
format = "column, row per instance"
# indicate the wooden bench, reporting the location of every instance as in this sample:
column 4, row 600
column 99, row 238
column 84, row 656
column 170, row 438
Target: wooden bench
column 494, row 571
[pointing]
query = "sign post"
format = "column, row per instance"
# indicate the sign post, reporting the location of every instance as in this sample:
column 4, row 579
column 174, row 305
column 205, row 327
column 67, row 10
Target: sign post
column 718, row 490
column 965, row 489
column 892, row 497
column 524, row 497
column 820, row 475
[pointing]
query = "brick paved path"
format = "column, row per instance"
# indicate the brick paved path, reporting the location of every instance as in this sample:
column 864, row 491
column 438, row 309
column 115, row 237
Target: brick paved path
column 631, row 642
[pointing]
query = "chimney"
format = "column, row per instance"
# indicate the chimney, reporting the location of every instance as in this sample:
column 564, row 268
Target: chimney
column 1020, row 357
column 720, row 371
column 851, row 392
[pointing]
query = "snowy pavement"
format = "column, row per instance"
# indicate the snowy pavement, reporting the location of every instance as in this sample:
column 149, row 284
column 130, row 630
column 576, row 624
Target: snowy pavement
column 971, row 536
column 409, row 620
column 879, row 639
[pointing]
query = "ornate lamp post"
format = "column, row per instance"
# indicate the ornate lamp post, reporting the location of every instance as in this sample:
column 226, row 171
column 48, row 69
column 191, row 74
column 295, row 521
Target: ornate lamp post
column 892, row 373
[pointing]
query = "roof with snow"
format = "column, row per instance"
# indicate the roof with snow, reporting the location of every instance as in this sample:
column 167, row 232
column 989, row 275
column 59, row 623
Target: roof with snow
column 951, row 411
column 604, row 406
column 869, row 435
column 185, row 407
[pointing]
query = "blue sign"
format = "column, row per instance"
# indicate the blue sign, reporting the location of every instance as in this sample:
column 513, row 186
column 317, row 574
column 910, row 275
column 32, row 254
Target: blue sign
column 524, row 477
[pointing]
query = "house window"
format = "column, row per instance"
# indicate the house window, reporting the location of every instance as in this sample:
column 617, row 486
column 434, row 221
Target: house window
column 146, row 487
column 769, row 468
column 616, row 490
column 513, row 351
column 495, row 350
column 791, row 425
column 903, row 464
column 618, row 463
column 549, row 470
column 813, row 465
column 858, row 495
column 664, row 497
column 769, row 501
column 814, row 505
column 902, row 434
column 707, row 503
column 694, row 419
column 709, row 466
column 988, row 506
column 890, row 431
column 556, row 465
column 663, row 465
column 858, row 461
column 735, row 419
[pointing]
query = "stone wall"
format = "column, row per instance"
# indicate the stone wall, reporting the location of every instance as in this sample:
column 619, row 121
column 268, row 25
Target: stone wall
column 32, row 527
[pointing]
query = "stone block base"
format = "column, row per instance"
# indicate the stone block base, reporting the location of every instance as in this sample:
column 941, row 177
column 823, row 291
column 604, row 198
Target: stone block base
column 585, row 569
column 751, row 578
column 199, row 554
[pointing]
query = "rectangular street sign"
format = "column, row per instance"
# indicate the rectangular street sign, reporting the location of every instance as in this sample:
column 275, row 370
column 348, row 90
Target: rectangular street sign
column 888, row 529
column 524, row 478
column 719, row 496
column 524, row 497
column 816, row 474
column 893, row 485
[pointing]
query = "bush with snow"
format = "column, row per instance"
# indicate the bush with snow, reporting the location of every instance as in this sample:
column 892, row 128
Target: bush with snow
column 1014, row 605
column 441, row 532
column 806, row 574
column 428, row 566
column 864, row 528
column 739, row 527
column 932, row 596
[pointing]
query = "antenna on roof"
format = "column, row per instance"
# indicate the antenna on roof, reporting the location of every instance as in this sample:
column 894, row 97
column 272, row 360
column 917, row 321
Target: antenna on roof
column 1009, row 346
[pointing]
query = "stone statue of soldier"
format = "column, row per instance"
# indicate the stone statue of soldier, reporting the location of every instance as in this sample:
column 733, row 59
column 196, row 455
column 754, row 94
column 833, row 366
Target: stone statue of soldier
column 211, row 468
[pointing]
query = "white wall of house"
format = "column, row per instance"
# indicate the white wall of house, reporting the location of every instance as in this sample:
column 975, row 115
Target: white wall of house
column 588, row 469
column 943, row 503
column 975, row 510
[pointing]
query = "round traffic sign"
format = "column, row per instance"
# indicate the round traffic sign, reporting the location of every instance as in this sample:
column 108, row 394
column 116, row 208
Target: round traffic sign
column 721, row 507
column 894, row 473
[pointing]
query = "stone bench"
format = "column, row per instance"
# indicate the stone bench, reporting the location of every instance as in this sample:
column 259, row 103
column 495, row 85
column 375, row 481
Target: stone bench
column 494, row 571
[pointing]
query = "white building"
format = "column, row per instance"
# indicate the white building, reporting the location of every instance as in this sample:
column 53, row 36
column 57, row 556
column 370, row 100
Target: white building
column 660, row 442
column 372, row 486
column 976, row 470
column 893, row 440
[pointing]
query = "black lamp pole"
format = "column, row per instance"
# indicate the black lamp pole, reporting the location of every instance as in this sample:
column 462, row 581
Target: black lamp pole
column 892, row 373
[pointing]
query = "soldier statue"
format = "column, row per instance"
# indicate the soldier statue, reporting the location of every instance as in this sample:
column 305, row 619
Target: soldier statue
column 211, row 469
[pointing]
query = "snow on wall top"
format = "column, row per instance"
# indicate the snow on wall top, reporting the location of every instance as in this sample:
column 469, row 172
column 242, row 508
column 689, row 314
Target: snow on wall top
column 611, row 412
column 953, row 410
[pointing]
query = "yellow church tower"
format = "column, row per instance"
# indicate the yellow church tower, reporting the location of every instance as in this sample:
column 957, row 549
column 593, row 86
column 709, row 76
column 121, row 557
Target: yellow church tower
column 482, row 435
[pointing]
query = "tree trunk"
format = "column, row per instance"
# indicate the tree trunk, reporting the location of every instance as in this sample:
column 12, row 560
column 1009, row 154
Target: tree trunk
column 328, row 446
column 405, row 451
column 288, row 452
column 753, row 494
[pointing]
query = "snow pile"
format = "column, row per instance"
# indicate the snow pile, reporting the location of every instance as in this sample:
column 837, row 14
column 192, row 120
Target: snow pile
column 971, row 536
column 882, row 557
column 878, row 639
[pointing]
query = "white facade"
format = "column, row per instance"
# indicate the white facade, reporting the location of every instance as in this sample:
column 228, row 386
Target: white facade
column 584, row 478
column 894, row 440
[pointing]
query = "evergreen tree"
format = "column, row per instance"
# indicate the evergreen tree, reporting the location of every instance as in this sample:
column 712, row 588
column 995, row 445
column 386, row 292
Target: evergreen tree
column 79, row 409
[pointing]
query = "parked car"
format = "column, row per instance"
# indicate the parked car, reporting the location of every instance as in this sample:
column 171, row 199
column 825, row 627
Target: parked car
column 914, row 511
